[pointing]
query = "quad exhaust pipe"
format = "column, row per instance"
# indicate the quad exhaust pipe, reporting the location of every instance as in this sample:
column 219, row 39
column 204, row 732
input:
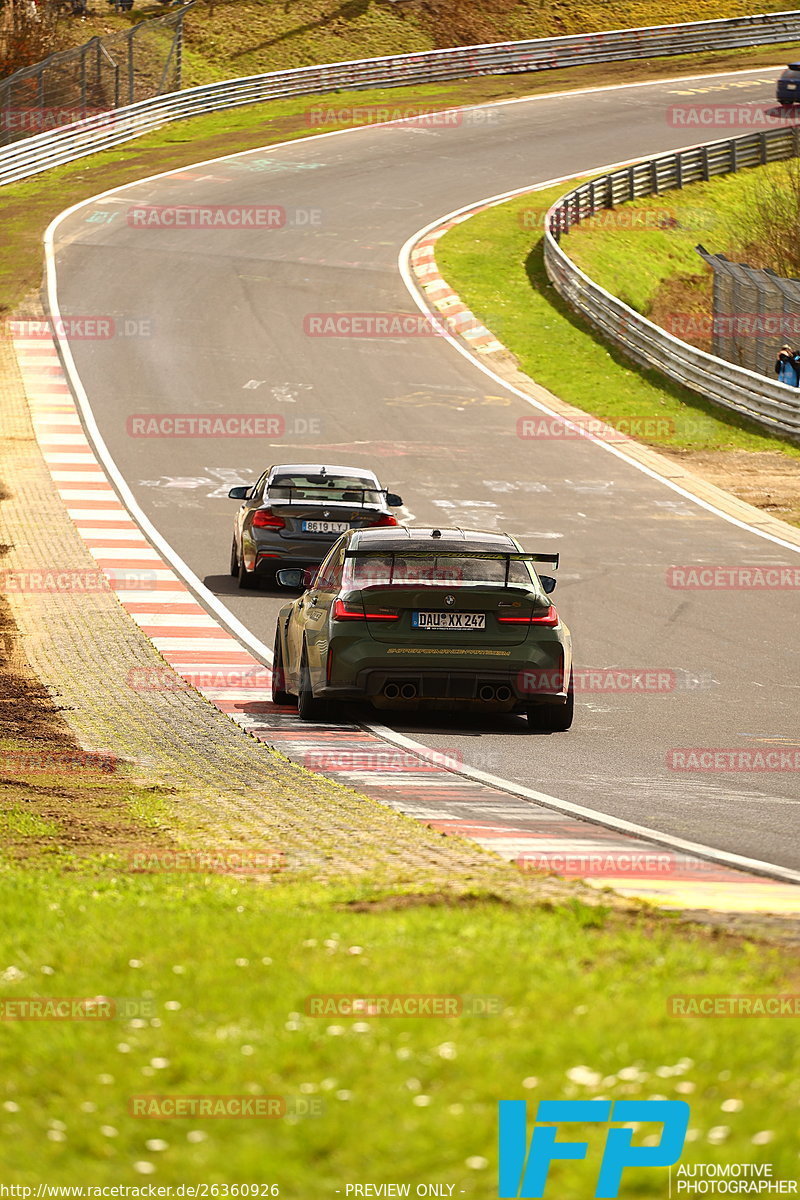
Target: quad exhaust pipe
column 391, row 691
column 489, row 692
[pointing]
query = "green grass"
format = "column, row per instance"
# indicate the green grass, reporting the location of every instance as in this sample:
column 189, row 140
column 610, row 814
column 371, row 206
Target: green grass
column 635, row 264
column 495, row 262
column 240, row 37
column 17, row 822
column 215, row 974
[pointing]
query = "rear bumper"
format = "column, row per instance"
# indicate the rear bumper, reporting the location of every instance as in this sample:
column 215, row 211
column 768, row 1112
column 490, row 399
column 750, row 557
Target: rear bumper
column 502, row 691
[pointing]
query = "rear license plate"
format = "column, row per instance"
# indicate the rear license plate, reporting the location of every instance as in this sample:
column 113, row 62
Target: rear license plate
column 448, row 620
column 325, row 526
column 790, row 87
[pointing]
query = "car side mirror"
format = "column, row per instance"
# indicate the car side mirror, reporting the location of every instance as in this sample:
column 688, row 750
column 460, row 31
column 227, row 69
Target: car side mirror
column 393, row 500
column 548, row 583
column 239, row 493
column 292, row 577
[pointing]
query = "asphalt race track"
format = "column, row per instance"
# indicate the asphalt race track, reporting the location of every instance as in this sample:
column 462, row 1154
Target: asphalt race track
column 215, row 325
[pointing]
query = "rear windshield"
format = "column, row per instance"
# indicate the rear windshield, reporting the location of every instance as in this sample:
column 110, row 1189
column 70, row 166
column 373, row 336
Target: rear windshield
column 435, row 570
column 324, row 487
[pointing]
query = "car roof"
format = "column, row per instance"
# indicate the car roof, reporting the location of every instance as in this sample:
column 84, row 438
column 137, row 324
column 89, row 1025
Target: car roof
column 318, row 468
column 400, row 538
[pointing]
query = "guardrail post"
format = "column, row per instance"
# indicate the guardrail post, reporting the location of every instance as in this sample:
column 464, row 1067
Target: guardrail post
column 678, row 170
column 654, row 177
column 631, row 183
column 734, row 155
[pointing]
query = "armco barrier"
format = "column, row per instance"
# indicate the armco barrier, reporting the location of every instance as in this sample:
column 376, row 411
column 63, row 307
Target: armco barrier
column 773, row 405
column 41, row 151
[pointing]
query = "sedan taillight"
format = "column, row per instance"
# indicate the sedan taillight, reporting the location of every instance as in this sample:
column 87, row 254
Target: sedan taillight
column 548, row 617
column 384, row 520
column 265, row 518
column 346, row 610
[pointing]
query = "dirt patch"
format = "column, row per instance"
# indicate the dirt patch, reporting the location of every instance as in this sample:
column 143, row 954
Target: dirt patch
column 767, row 480
column 425, row 900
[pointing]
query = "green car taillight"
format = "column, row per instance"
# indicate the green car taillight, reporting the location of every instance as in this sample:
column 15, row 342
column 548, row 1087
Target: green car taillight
column 548, row 617
column 346, row 610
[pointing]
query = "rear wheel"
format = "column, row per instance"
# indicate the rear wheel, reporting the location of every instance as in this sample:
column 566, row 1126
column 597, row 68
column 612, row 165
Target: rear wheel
column 279, row 693
column 553, row 718
column 234, row 560
column 309, row 708
column 247, row 579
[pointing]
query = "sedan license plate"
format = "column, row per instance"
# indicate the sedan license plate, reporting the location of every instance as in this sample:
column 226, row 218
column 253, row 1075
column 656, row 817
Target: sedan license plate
column 448, row 620
column 325, row 526
column 790, row 87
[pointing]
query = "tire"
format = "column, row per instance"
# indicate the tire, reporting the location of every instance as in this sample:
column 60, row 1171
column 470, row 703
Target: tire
column 553, row 718
column 279, row 693
column 247, row 579
column 309, row 708
column 234, row 560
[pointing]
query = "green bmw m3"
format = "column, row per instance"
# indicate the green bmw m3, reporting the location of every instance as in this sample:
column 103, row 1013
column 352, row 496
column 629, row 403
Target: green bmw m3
column 402, row 618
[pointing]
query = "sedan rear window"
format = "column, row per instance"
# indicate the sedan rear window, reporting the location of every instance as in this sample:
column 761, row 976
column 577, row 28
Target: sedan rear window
column 434, row 570
column 324, row 487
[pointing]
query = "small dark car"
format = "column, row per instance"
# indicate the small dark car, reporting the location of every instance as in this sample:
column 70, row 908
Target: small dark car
column 451, row 619
column 295, row 512
column 788, row 86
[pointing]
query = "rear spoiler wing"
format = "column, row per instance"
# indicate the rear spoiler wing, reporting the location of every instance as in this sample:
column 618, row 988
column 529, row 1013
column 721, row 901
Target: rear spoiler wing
column 497, row 556
column 434, row 552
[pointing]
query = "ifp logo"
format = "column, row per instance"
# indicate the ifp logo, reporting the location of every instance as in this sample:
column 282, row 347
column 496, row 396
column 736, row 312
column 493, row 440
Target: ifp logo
column 524, row 1170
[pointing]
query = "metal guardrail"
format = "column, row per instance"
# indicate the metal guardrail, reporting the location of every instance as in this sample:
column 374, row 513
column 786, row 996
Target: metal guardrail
column 99, row 132
column 773, row 405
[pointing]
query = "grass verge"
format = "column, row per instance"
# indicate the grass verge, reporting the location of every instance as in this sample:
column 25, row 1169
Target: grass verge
column 211, row 978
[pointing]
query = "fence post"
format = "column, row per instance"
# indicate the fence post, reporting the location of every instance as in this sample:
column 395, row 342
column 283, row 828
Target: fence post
column 179, row 54
column 83, row 78
column 131, row 91
column 679, row 171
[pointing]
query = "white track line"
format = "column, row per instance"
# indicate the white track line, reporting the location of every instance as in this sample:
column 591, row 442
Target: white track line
column 233, row 623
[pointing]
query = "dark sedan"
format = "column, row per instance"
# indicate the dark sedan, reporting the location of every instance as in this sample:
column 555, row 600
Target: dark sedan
column 449, row 619
column 295, row 512
column 788, row 86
